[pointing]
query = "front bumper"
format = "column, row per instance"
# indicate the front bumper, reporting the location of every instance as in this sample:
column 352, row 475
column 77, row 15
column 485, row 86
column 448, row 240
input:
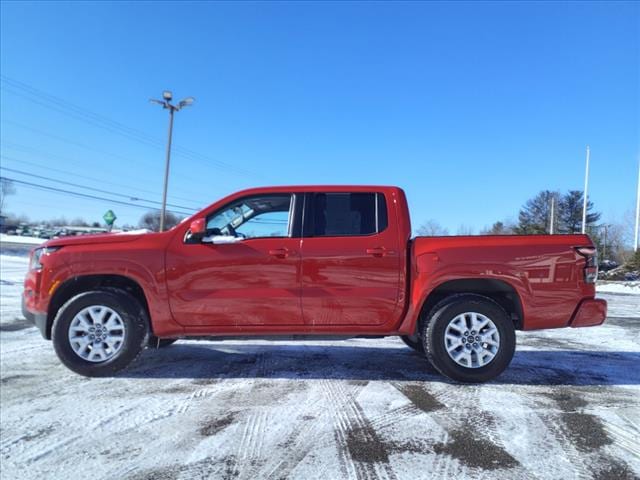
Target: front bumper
column 39, row 319
column 590, row 313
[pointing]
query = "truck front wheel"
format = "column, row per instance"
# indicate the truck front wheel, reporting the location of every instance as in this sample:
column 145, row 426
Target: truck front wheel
column 469, row 338
column 98, row 333
column 414, row 342
column 155, row 342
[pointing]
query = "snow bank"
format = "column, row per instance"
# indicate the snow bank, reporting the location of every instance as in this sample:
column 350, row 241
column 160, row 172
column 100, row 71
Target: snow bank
column 632, row 288
column 4, row 238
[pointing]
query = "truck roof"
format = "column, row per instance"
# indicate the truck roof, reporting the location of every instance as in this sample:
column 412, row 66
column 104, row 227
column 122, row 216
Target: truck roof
column 323, row 188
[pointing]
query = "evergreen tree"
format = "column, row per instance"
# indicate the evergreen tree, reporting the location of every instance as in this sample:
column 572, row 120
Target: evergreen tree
column 499, row 228
column 570, row 212
column 535, row 215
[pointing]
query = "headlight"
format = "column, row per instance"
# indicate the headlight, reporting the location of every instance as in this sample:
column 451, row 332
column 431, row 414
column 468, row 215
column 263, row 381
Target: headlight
column 37, row 256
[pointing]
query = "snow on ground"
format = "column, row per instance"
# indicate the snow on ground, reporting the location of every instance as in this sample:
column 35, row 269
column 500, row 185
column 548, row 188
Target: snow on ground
column 632, row 288
column 567, row 407
column 4, row 238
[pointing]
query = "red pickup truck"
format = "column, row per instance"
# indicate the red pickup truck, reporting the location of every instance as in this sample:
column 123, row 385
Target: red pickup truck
column 312, row 260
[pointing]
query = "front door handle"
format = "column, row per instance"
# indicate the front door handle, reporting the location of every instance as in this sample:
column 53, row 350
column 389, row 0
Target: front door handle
column 377, row 251
column 279, row 252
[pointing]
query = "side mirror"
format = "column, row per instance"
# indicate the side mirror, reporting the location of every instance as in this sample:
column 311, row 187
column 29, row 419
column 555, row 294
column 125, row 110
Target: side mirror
column 198, row 229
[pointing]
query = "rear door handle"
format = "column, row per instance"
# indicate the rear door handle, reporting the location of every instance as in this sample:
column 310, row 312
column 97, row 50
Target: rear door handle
column 377, row 251
column 279, row 252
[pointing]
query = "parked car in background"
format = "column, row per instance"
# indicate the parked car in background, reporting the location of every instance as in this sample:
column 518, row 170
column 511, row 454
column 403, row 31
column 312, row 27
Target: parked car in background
column 606, row 265
column 314, row 260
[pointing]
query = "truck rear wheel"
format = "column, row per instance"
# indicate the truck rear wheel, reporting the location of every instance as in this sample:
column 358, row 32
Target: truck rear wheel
column 469, row 338
column 99, row 333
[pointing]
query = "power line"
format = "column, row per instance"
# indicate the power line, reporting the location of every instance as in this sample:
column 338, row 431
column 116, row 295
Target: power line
column 82, row 195
column 66, row 140
column 28, row 149
column 87, row 147
column 80, row 113
column 130, row 197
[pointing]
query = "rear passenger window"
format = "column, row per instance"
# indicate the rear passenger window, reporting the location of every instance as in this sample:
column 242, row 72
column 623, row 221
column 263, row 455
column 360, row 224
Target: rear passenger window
column 348, row 214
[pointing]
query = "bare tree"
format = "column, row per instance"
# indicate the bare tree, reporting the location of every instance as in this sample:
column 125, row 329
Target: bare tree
column 151, row 220
column 431, row 228
column 619, row 238
column 464, row 230
column 6, row 188
column 79, row 222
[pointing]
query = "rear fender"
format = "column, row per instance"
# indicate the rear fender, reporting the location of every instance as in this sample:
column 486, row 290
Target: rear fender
column 430, row 274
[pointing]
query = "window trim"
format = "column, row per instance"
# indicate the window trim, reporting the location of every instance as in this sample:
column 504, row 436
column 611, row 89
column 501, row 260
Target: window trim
column 308, row 222
column 291, row 219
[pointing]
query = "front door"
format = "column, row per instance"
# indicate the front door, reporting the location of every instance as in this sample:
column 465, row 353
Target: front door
column 253, row 279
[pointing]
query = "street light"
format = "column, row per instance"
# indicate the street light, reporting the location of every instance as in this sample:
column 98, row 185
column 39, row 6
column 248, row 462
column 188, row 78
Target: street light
column 166, row 103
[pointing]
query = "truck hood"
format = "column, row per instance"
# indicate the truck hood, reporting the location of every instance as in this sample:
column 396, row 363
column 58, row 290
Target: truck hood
column 102, row 238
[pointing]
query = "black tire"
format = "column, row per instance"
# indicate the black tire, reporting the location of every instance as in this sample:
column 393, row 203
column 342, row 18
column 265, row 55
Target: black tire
column 155, row 342
column 434, row 331
column 414, row 342
column 134, row 318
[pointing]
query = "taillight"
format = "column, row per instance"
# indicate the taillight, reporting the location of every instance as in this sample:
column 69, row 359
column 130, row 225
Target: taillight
column 591, row 263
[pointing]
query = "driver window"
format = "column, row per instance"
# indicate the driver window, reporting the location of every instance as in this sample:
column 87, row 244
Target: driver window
column 253, row 217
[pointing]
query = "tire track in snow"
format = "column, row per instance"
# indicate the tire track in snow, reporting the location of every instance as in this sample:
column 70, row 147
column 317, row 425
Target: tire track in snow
column 298, row 445
column 394, row 417
column 348, row 467
column 250, row 446
column 471, row 437
column 627, row 436
column 248, row 457
column 118, row 422
column 556, row 452
column 558, row 426
column 360, row 449
column 426, row 402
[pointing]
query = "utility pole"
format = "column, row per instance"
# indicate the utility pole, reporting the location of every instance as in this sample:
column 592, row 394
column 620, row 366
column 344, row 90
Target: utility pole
column 167, row 96
column 553, row 204
column 604, row 246
column 586, row 187
column 635, row 233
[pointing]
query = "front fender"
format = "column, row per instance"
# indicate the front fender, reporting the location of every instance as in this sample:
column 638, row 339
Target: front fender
column 147, row 270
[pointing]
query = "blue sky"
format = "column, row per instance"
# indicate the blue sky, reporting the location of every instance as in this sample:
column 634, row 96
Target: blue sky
column 471, row 107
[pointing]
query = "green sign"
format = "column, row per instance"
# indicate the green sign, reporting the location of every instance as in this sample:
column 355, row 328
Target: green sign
column 109, row 217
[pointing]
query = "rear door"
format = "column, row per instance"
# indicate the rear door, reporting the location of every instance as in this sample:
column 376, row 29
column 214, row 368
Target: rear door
column 350, row 260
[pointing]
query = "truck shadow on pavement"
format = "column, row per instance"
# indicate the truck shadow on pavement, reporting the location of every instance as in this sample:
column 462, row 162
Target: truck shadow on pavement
column 290, row 361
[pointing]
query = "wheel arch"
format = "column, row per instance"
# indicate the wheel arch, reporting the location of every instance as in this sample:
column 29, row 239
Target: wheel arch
column 500, row 291
column 83, row 283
